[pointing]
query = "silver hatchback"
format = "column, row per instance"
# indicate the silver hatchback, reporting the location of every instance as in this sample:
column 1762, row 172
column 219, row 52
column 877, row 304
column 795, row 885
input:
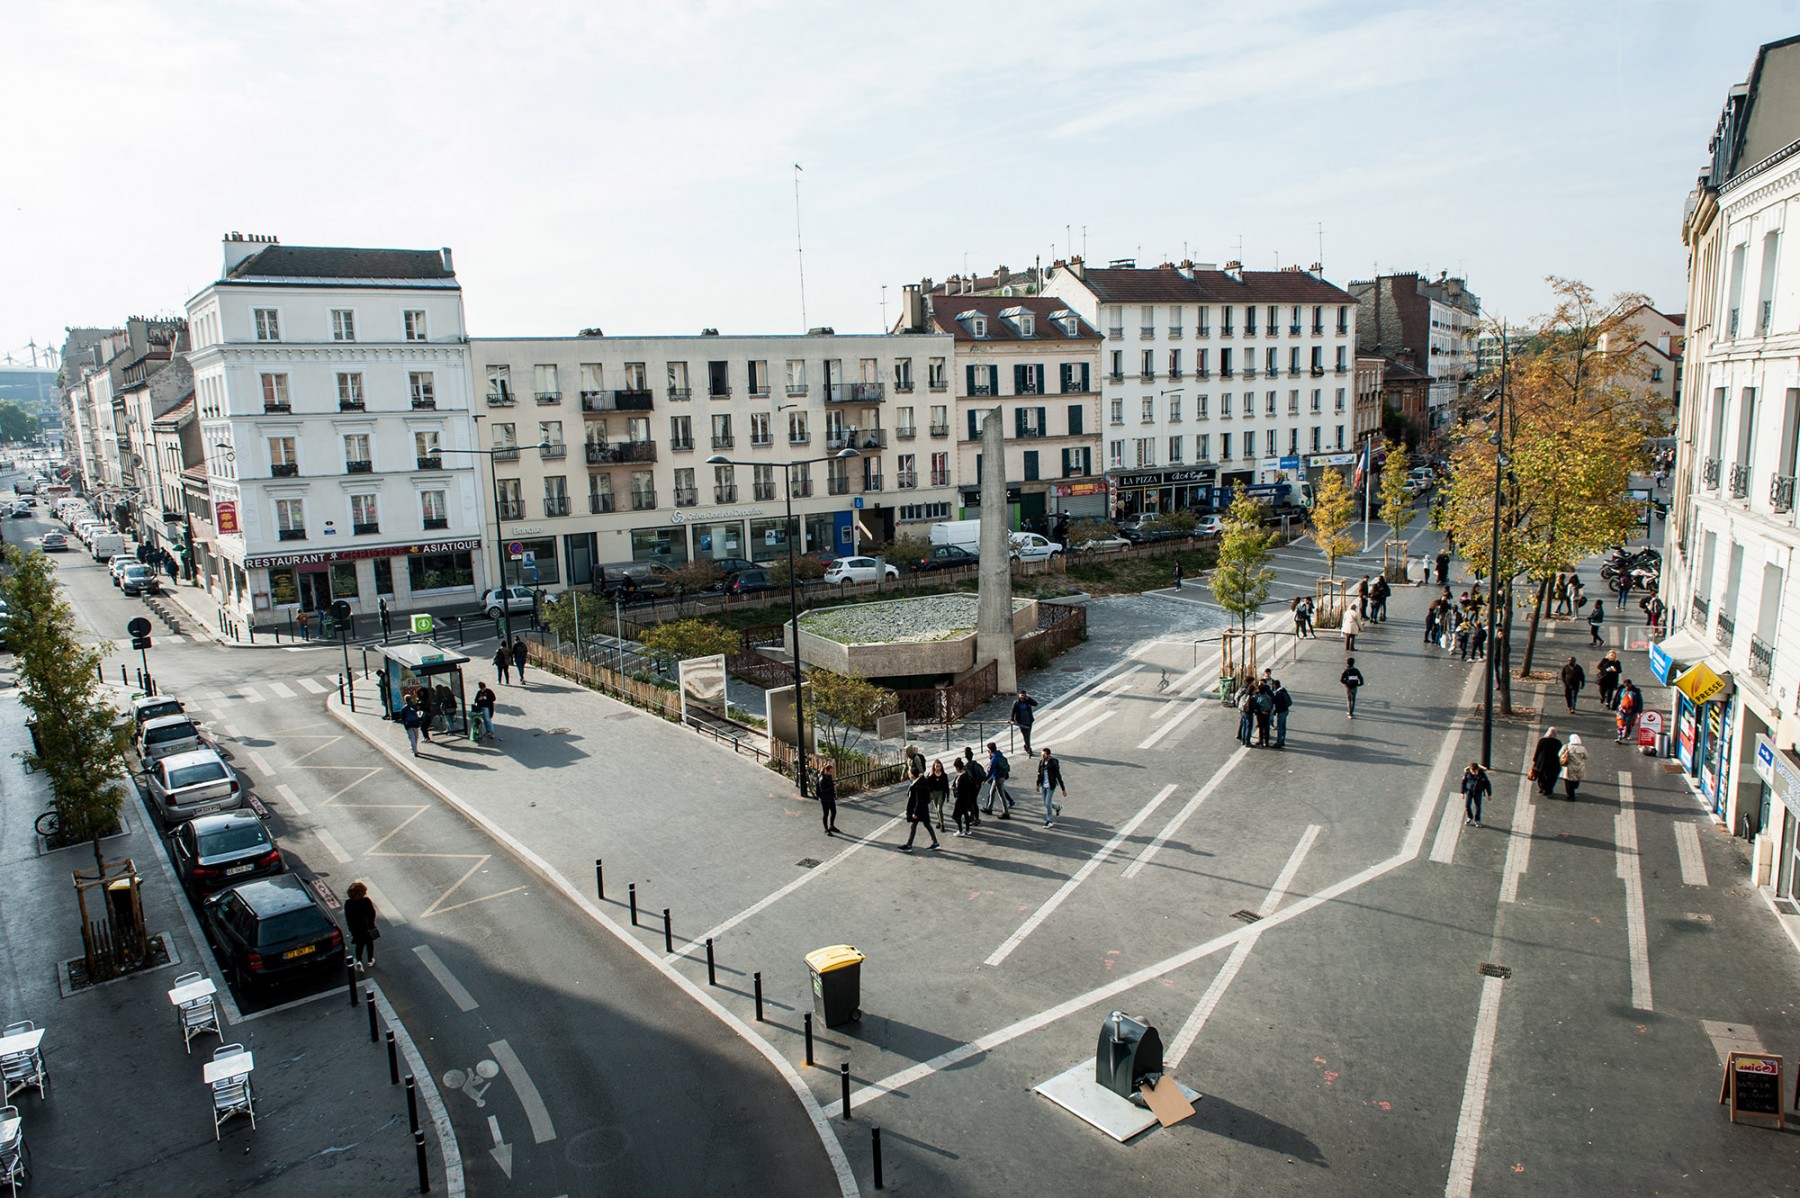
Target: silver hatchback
column 187, row 785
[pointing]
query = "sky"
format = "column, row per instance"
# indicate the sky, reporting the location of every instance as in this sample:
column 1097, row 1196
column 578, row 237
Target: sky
column 631, row 165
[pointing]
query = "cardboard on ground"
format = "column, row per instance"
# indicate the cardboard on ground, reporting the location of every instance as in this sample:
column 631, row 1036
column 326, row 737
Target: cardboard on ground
column 1167, row 1101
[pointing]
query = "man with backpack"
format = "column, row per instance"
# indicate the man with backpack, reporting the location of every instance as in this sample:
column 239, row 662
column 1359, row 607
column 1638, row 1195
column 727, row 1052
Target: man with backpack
column 1264, row 703
column 998, row 771
column 1353, row 681
column 412, row 719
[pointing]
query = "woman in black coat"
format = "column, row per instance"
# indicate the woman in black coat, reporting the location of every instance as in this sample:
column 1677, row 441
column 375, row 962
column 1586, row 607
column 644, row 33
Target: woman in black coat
column 1546, row 762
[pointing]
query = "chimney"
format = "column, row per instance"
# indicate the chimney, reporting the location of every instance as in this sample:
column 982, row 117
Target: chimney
column 1235, row 271
column 1078, row 267
column 449, row 266
column 239, row 247
column 1001, row 275
column 1316, row 270
column 913, row 309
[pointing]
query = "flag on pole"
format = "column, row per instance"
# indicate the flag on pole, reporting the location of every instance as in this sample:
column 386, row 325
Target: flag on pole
column 1362, row 466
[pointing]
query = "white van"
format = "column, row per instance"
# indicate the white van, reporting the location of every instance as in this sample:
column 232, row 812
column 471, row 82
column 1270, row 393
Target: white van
column 964, row 534
column 105, row 544
column 1030, row 547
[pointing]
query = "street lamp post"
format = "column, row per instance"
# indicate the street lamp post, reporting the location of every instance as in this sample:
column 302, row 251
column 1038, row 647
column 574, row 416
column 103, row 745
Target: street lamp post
column 499, row 541
column 1493, row 649
column 787, row 487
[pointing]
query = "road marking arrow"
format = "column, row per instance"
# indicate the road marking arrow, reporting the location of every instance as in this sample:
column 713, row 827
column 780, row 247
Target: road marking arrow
column 502, row 1151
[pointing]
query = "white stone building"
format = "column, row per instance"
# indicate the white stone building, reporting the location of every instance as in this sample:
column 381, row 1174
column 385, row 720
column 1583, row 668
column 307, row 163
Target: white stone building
column 1732, row 536
column 631, row 421
column 1212, row 377
column 332, row 388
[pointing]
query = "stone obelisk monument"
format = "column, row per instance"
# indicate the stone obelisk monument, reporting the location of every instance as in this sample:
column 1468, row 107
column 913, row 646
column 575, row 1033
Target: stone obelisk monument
column 993, row 616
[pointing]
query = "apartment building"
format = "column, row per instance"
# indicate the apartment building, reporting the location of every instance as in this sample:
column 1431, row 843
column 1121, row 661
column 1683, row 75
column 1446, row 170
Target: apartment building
column 1038, row 361
column 1212, row 377
column 603, row 445
column 1732, row 663
column 1654, row 339
column 332, row 390
column 1429, row 325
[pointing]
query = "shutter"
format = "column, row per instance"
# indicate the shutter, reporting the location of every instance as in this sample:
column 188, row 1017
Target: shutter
column 978, row 458
column 1042, row 424
column 1067, row 374
column 971, row 378
column 1075, row 429
column 993, row 380
column 1065, row 463
column 974, row 422
column 1021, row 380
column 1018, row 418
column 1031, row 465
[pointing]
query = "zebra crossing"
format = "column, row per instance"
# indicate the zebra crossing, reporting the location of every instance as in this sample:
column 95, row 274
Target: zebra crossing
column 243, row 691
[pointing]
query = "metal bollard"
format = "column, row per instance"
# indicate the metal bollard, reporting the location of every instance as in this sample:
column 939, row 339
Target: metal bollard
column 758, row 978
column 393, row 1060
column 631, row 890
column 712, row 978
column 124, row 678
column 99, row 672
column 668, row 935
column 600, row 879
column 875, row 1147
column 350, row 976
column 844, row 1076
column 424, row 1172
column 412, row 1102
column 340, row 688
column 806, row 1024
column 374, row 1035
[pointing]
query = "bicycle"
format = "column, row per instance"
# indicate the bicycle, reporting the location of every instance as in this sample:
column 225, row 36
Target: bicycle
column 49, row 824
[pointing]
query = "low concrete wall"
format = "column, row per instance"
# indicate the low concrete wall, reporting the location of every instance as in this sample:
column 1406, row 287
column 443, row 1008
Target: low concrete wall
column 899, row 659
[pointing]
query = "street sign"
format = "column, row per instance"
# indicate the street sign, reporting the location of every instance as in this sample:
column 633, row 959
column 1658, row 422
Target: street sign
column 530, row 559
column 515, row 548
column 1753, row 1086
column 1650, row 726
column 421, row 623
column 139, row 626
column 856, row 502
column 515, row 556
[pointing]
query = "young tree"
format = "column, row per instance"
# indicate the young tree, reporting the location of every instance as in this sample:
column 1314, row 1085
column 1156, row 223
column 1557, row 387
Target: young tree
column 842, row 703
column 1396, row 505
column 691, row 638
column 81, row 743
column 1240, row 582
column 1332, row 511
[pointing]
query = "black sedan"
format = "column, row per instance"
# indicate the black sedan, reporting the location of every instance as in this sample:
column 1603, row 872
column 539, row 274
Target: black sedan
column 139, row 580
column 271, row 930
column 747, row 582
column 946, row 557
column 219, row 850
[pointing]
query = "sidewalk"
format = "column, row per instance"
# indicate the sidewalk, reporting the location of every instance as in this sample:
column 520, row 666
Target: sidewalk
column 127, row 1110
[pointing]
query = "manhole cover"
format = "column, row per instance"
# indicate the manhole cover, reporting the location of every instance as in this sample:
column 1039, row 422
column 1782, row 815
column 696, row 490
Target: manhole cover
column 1246, row 915
column 1490, row 970
column 807, row 862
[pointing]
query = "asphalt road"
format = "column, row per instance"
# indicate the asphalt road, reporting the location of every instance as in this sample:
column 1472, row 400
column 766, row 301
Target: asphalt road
column 569, row 1066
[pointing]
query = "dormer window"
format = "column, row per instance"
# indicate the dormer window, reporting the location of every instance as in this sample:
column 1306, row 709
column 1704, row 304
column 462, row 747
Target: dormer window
column 978, row 326
column 1028, row 325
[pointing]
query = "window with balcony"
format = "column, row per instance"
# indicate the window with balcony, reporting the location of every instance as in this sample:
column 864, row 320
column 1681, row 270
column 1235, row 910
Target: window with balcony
column 1225, row 370
column 350, row 391
column 356, row 454
column 290, row 519
column 637, row 376
column 1269, row 403
column 1201, row 403
column 1250, row 445
column 1147, row 410
column 681, row 433
column 1175, row 458
column 1202, row 447
column 1174, row 409
column 343, row 324
column 904, row 427
column 1224, row 447
column 1314, row 439
column 1318, row 360
column 544, row 383
column 940, row 469
column 434, row 514
column 721, row 432
column 940, row 420
column 600, row 494
column 363, row 518
column 556, row 495
column 423, row 385
column 758, row 371
column 1343, row 361
column 1117, row 410
column 593, row 383
column 1202, row 364
column 1028, row 379
column 1249, row 320
column 506, row 442
column 1147, row 321
column 982, row 380
column 724, row 484
column 937, row 374
column 1203, row 321
column 1116, row 370
column 800, row 481
column 1318, row 320
column 686, row 493
column 798, row 433
column 906, row 475
column 413, row 322
column 1225, row 405
column 511, row 500
column 550, row 439
column 1227, row 326
column 1147, row 365
column 718, row 380
column 275, row 393
column 643, row 490
column 268, row 324
column 759, row 429
column 499, row 387
column 425, row 446
column 1339, row 441
column 1175, row 364
column 1338, row 403
column 282, row 461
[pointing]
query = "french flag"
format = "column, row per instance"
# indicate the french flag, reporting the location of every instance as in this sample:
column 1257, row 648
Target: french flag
column 1362, row 466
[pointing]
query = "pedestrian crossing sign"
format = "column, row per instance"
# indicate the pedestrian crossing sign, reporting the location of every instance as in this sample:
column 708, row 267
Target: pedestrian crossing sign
column 421, row 624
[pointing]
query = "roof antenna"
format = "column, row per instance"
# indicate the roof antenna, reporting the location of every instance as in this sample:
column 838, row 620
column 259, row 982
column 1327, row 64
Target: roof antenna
column 799, row 246
column 884, row 323
column 1320, row 226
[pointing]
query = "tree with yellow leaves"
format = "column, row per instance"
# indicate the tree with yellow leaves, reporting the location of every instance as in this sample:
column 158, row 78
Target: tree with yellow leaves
column 1333, row 510
column 1396, row 504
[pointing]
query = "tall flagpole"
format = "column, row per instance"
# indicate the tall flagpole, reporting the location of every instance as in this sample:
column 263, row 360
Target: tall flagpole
column 1368, row 472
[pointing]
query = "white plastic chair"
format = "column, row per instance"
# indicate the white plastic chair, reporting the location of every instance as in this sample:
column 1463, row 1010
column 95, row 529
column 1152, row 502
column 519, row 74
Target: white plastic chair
column 15, row 1157
column 233, row 1095
column 19, row 1070
column 198, row 1015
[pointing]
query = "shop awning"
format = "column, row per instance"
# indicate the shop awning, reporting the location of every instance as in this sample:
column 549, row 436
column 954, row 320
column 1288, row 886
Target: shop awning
column 1701, row 683
column 1673, row 654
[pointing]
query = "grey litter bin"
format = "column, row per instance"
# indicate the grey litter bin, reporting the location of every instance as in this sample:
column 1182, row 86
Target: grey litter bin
column 836, row 983
column 1130, row 1053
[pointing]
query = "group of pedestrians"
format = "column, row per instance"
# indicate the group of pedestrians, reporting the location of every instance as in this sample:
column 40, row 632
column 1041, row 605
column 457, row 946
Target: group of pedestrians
column 971, row 789
column 1457, row 625
column 508, row 658
column 1262, row 711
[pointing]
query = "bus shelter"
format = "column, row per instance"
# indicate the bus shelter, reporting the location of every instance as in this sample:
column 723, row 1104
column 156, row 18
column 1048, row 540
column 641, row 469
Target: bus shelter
column 431, row 674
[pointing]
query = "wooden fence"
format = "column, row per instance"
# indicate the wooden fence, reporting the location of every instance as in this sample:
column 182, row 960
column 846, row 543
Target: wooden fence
column 549, row 654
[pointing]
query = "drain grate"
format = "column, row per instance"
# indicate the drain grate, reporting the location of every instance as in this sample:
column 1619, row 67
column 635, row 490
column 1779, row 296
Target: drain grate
column 1247, row 915
column 807, row 862
column 1490, row 970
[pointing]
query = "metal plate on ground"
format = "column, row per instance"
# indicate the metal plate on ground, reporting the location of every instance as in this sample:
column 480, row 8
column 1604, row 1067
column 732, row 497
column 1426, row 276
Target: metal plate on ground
column 1076, row 1091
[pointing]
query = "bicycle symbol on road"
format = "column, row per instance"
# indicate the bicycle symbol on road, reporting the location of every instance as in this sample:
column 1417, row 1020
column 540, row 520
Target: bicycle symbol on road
column 473, row 1082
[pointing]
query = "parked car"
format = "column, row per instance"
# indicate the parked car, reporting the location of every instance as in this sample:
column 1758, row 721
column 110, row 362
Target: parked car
column 1031, row 547
column 746, row 582
column 167, row 735
column 731, row 565
column 1144, row 530
column 115, row 565
column 946, row 557
column 218, row 850
column 518, row 599
column 1113, row 542
column 1210, row 525
column 187, row 785
column 270, row 929
column 54, row 542
column 149, row 707
column 138, row 579
column 859, row 569
column 647, row 581
column 22, row 510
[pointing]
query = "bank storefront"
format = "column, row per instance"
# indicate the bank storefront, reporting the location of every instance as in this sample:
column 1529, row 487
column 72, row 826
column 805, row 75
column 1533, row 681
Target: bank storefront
column 402, row 574
column 754, row 534
column 1155, row 492
column 1778, row 770
column 1705, row 716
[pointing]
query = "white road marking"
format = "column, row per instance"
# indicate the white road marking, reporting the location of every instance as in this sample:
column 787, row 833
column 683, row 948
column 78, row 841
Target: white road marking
column 292, row 800
column 249, row 696
column 1062, row 737
column 1181, row 817
column 1081, row 875
column 1518, row 841
column 256, row 759
column 229, row 730
column 1687, row 847
column 1630, row 869
column 542, row 1130
column 776, row 896
column 282, row 690
column 383, row 908
column 458, row 993
column 1728, row 1038
column 434, row 1101
column 1190, row 1030
column 1439, row 776
column 312, row 687
column 332, row 846
column 1474, row 1105
column 207, row 695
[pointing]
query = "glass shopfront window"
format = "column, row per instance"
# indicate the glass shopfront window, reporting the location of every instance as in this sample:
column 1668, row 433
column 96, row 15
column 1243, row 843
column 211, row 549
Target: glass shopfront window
column 284, row 587
column 715, row 541
column 439, row 571
column 768, row 541
column 821, row 534
column 384, row 576
column 543, row 552
column 343, row 580
column 660, row 544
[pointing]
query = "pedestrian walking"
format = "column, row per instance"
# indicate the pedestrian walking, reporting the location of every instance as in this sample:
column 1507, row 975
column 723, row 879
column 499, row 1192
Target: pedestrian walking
column 1573, row 679
column 939, row 782
column 411, row 719
column 1476, row 786
column 1352, row 679
column 1303, row 618
column 825, row 788
column 1478, row 641
column 519, row 657
column 915, row 762
column 1378, row 597
column 1283, row 703
column 1631, row 705
column 360, row 916
column 301, row 618
column 1246, row 706
column 1263, row 702
column 1022, row 716
column 1578, row 593
column 977, row 772
column 484, row 710
column 966, row 788
column 1595, row 619
column 998, row 771
column 919, row 799
column 1433, row 613
column 1443, row 569
column 1563, row 591
column 1622, row 585
column 1607, row 678
column 1574, row 763
column 1362, row 597
column 387, row 618
column 1353, row 624
column 1654, row 610
column 1463, row 629
column 503, row 663
column 1178, row 574
column 1546, row 762
column 1049, row 781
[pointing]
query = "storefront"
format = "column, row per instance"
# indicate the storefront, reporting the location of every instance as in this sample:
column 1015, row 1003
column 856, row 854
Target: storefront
column 1079, row 500
column 1705, row 715
column 1157, row 492
column 1779, row 771
column 289, row 582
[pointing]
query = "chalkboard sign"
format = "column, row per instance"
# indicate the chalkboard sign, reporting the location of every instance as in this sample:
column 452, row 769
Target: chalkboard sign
column 1753, row 1086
